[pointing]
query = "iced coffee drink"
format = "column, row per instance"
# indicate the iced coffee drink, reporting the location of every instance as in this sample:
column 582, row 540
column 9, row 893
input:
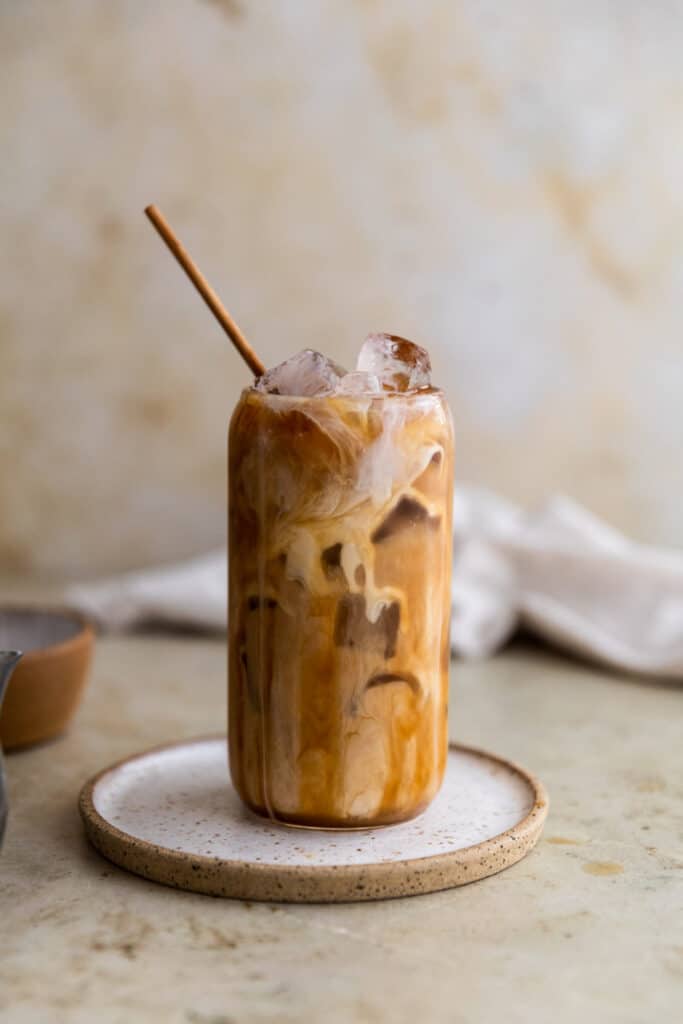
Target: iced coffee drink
column 339, row 563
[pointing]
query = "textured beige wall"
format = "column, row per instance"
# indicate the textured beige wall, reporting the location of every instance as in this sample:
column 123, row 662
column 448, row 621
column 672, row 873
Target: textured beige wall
column 499, row 181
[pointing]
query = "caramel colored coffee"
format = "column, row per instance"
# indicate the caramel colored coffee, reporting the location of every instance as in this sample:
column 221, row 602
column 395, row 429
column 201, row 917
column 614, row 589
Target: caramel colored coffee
column 339, row 564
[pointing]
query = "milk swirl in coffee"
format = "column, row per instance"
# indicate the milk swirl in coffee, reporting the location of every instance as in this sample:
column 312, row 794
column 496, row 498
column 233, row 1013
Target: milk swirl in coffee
column 340, row 494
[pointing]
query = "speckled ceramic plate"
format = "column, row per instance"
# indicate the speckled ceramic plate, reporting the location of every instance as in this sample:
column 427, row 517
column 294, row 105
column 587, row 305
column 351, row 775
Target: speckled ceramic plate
column 171, row 815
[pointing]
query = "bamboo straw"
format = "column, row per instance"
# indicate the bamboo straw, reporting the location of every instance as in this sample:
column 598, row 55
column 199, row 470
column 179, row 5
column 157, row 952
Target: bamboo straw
column 205, row 290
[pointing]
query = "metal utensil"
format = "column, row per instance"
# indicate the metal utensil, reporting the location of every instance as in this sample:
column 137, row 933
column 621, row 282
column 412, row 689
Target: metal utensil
column 8, row 661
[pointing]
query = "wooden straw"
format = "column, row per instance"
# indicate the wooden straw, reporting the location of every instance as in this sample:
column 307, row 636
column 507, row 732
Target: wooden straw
column 205, row 290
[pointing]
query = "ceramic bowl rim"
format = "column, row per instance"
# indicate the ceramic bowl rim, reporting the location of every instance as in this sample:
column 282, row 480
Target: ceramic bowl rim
column 85, row 632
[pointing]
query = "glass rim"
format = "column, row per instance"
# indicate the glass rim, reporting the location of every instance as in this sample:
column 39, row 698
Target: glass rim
column 382, row 396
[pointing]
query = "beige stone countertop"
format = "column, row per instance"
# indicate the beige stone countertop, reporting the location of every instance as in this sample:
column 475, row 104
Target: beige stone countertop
column 589, row 927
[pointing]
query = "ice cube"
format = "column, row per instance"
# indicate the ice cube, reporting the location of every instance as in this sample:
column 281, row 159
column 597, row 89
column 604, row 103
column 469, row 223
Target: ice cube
column 358, row 382
column 306, row 374
column 399, row 364
column 353, row 627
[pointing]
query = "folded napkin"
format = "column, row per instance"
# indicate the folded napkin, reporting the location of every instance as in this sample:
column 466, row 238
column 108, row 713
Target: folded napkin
column 559, row 572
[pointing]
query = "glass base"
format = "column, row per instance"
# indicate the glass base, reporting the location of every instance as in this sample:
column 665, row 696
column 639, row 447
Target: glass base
column 312, row 826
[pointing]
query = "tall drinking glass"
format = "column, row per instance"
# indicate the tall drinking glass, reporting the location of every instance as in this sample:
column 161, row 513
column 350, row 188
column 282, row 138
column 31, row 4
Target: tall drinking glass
column 339, row 597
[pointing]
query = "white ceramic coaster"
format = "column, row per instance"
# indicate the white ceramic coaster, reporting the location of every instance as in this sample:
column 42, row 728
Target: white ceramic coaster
column 171, row 815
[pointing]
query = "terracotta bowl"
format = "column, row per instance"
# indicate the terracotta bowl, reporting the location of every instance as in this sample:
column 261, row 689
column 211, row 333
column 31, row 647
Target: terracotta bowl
column 47, row 684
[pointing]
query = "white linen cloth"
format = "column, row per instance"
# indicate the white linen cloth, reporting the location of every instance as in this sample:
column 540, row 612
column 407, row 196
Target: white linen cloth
column 558, row 571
